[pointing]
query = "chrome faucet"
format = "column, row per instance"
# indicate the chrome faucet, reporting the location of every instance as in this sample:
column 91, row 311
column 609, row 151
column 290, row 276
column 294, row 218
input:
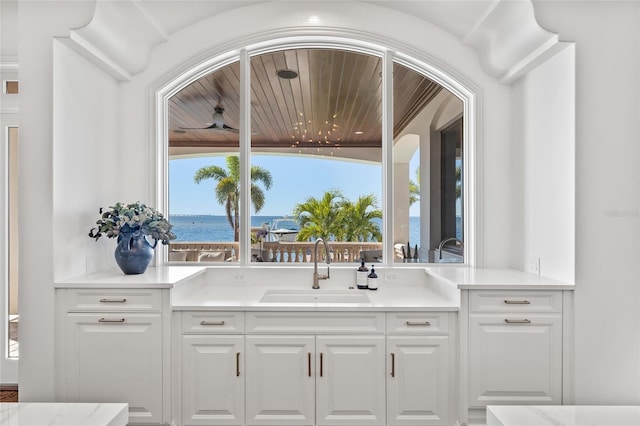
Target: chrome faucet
column 316, row 276
column 445, row 241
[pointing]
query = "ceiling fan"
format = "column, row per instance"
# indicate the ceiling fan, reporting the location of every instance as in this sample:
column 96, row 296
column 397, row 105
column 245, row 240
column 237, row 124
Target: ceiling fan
column 217, row 122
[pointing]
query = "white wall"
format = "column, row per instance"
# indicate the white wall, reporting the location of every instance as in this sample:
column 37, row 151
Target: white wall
column 9, row 29
column 607, row 296
column 39, row 22
column 545, row 133
column 87, row 159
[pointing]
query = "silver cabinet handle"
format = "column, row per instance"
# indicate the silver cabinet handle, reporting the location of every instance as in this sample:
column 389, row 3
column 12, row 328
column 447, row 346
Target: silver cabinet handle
column 113, row 300
column 517, row 302
column 211, row 322
column 517, row 321
column 111, row 320
column 423, row 323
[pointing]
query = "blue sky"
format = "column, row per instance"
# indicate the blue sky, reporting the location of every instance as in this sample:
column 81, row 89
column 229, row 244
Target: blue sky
column 294, row 180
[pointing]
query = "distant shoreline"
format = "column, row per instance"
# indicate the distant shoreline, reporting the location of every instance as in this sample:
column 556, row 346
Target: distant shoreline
column 210, row 227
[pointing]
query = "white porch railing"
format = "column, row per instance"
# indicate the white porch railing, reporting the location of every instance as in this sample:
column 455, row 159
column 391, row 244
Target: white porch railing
column 279, row 252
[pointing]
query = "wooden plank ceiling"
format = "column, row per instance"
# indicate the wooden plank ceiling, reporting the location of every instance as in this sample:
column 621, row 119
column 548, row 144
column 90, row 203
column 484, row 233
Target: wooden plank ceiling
column 335, row 101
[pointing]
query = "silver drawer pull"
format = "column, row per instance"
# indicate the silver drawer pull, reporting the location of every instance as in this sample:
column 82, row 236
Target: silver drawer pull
column 211, row 322
column 113, row 300
column 517, row 302
column 518, row 321
column 111, row 320
column 423, row 324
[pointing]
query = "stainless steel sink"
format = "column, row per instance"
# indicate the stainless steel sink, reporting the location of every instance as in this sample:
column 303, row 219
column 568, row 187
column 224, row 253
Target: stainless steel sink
column 314, row 296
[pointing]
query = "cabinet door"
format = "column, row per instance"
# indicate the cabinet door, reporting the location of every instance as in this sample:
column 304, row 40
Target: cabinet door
column 212, row 380
column 418, row 380
column 280, row 380
column 116, row 357
column 515, row 359
column 350, row 380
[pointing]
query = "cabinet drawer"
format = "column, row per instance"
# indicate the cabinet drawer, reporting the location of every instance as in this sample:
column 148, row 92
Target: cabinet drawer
column 315, row 322
column 416, row 323
column 212, row 322
column 516, row 301
column 114, row 300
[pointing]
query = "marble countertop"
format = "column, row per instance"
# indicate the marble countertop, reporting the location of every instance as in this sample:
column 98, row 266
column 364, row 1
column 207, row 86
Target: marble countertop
column 201, row 295
column 202, row 288
column 563, row 415
column 467, row 278
column 154, row 277
column 63, row 414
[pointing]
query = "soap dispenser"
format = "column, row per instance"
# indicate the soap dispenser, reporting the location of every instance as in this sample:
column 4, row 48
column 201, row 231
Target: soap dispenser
column 372, row 279
column 362, row 274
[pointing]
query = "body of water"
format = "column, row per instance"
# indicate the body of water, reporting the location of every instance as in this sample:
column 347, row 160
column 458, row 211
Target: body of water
column 217, row 228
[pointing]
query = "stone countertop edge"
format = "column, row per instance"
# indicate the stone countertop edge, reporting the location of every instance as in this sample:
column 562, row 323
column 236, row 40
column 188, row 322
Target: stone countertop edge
column 468, row 278
column 154, row 277
column 316, row 307
column 53, row 413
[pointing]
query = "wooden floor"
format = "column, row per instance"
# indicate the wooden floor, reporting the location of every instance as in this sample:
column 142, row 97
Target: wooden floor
column 8, row 394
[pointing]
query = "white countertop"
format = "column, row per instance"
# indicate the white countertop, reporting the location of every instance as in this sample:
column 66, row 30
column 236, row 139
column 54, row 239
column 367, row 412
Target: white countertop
column 63, row 414
column 202, row 295
column 563, row 415
column 202, row 288
column 154, row 277
column 467, row 278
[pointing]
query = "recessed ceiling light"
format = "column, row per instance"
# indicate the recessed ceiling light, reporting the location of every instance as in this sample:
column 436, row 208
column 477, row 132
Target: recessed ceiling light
column 287, row 74
column 359, row 132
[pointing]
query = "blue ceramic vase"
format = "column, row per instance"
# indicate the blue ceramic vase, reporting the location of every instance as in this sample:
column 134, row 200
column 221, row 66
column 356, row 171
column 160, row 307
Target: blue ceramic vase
column 133, row 253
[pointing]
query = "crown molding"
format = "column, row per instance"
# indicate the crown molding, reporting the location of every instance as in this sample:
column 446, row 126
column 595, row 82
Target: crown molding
column 505, row 34
column 119, row 38
column 509, row 40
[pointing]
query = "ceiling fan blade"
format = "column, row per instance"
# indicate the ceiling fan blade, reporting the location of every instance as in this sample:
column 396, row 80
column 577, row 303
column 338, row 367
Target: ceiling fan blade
column 230, row 129
column 197, row 128
column 214, row 126
column 218, row 123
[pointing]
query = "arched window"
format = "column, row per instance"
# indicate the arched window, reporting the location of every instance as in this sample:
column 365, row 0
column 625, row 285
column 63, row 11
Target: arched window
column 271, row 148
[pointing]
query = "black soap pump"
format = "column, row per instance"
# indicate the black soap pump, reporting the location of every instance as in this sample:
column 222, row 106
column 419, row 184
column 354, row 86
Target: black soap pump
column 372, row 279
column 362, row 274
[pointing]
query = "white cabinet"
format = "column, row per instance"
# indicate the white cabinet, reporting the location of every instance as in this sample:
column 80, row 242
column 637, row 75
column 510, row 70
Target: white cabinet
column 280, row 380
column 212, row 368
column 315, row 368
column 350, row 380
column 515, row 348
column 315, row 380
column 212, row 380
column 418, row 379
column 515, row 359
column 111, row 350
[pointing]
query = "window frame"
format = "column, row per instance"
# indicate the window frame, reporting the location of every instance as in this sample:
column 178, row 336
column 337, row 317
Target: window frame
column 449, row 79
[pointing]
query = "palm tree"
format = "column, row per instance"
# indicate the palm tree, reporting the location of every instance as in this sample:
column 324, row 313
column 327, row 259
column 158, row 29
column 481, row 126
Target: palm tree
column 228, row 188
column 335, row 217
column 358, row 219
column 320, row 218
column 414, row 188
